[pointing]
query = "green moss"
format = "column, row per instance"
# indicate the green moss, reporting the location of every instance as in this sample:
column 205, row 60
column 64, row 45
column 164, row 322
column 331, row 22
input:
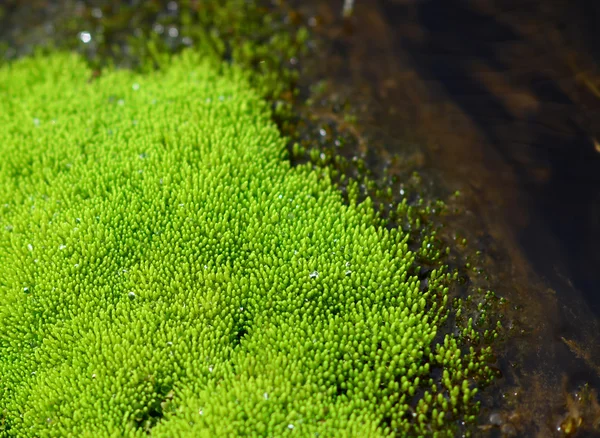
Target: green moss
column 163, row 267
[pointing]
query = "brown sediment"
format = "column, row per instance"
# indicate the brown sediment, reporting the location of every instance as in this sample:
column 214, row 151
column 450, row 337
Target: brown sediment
column 584, row 353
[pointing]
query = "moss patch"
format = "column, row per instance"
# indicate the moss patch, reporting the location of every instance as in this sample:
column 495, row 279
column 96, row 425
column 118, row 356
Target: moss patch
column 164, row 268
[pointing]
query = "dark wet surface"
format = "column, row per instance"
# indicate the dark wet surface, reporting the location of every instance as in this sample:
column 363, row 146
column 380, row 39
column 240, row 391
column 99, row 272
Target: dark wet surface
column 516, row 94
column 555, row 137
column 500, row 100
column 501, row 97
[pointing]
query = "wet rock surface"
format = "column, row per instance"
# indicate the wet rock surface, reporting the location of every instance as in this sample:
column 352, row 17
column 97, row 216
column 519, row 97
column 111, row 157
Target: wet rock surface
column 502, row 99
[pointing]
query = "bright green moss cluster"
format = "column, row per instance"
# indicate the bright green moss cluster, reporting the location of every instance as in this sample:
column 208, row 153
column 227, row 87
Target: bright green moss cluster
column 163, row 268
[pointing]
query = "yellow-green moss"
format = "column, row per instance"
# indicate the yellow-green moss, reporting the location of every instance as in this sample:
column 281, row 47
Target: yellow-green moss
column 164, row 268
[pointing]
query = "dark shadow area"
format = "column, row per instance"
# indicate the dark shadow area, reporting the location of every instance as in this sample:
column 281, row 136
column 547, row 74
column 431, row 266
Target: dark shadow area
column 558, row 136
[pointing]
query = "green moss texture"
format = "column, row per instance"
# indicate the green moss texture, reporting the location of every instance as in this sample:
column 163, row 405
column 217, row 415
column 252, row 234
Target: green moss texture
column 165, row 270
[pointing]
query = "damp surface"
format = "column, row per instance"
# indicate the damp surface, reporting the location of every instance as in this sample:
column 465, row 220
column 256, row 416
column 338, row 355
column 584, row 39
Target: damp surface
column 503, row 100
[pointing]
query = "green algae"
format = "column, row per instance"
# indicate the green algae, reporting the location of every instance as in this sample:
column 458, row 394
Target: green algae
column 165, row 269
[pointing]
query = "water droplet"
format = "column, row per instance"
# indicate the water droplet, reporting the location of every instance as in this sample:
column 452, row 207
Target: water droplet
column 322, row 132
column 136, row 86
column 97, row 13
column 173, row 32
column 30, row 247
column 200, row 411
column 26, row 289
column 36, row 121
column 290, row 426
column 131, row 295
column 266, row 396
column 314, row 274
column 85, row 37
column 61, row 247
column 210, row 369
